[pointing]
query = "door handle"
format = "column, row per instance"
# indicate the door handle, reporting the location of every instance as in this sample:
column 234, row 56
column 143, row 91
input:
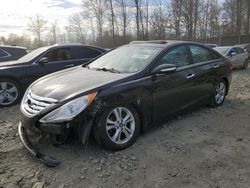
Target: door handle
column 71, row 65
column 190, row 76
column 216, row 66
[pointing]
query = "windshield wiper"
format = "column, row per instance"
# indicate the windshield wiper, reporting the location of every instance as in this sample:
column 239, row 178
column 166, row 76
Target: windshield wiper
column 107, row 70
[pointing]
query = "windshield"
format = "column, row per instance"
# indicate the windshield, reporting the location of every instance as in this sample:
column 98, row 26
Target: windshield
column 32, row 54
column 126, row 59
column 222, row 50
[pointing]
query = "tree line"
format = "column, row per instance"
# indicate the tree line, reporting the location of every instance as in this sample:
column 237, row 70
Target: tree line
column 110, row 23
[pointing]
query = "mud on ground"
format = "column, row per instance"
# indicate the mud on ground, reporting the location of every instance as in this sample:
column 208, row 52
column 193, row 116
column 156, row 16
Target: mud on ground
column 204, row 148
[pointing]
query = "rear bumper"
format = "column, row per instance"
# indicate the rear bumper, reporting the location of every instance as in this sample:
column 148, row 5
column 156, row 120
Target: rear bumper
column 47, row 160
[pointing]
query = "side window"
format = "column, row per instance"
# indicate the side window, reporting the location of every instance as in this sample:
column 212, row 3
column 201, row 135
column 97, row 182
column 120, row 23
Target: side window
column 232, row 50
column 237, row 50
column 200, row 54
column 240, row 51
column 177, row 56
column 3, row 54
column 85, row 53
column 60, row 54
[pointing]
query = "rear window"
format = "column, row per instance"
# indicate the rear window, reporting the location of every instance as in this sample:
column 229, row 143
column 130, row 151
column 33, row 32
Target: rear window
column 200, row 54
column 3, row 53
column 84, row 53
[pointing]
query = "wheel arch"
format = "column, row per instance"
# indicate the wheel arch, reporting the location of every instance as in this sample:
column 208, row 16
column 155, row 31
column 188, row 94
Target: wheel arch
column 142, row 117
column 227, row 84
column 15, row 80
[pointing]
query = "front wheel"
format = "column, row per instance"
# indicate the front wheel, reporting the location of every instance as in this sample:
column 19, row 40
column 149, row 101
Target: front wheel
column 118, row 127
column 219, row 93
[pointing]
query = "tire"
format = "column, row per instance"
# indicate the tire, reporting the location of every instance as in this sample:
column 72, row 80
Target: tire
column 113, row 133
column 10, row 92
column 219, row 93
column 245, row 65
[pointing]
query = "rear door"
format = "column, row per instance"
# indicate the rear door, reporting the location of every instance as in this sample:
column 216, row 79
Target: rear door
column 206, row 64
column 174, row 91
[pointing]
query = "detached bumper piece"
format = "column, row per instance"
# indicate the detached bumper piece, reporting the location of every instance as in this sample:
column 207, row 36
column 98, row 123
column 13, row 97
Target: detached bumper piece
column 46, row 160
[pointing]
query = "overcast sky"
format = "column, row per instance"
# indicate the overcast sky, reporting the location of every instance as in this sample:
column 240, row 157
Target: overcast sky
column 14, row 14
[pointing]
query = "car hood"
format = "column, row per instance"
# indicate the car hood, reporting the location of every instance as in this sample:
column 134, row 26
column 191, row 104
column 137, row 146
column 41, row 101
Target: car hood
column 72, row 82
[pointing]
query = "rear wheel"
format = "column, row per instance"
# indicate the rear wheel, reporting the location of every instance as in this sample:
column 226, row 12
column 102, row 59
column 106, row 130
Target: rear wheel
column 10, row 92
column 118, row 127
column 219, row 93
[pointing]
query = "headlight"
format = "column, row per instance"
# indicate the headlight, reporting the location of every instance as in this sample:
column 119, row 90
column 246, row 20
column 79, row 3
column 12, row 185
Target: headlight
column 69, row 110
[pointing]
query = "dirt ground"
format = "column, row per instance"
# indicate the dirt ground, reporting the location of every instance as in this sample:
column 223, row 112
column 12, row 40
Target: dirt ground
column 204, row 148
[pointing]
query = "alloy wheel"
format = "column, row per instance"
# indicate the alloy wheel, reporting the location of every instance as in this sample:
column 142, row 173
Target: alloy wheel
column 8, row 93
column 220, row 93
column 120, row 125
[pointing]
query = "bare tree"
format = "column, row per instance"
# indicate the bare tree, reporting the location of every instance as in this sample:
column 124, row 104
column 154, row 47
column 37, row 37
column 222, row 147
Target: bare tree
column 37, row 25
column 77, row 26
column 111, row 6
column 238, row 19
column 124, row 15
column 98, row 8
column 176, row 11
column 158, row 22
column 54, row 30
column 137, row 5
column 248, row 17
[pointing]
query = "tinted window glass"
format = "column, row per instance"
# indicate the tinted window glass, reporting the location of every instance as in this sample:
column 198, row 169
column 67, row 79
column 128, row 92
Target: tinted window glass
column 58, row 55
column 200, row 54
column 3, row 53
column 177, row 56
column 85, row 52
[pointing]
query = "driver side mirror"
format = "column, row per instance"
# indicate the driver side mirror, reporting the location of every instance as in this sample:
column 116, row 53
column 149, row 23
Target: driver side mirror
column 164, row 69
column 43, row 60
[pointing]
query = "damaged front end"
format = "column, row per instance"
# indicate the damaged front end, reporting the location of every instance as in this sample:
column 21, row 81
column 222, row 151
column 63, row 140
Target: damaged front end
column 47, row 160
column 58, row 122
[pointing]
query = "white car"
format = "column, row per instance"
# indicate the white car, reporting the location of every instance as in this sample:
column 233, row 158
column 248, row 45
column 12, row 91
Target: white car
column 237, row 56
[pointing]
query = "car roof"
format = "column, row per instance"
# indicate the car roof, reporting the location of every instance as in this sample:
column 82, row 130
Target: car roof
column 161, row 43
column 225, row 47
column 242, row 45
column 76, row 44
column 12, row 46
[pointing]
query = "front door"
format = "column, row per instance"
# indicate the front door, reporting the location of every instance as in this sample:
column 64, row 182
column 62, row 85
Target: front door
column 173, row 91
column 58, row 59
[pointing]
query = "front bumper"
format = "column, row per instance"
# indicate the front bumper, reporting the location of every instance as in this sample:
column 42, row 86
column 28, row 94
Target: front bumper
column 47, row 160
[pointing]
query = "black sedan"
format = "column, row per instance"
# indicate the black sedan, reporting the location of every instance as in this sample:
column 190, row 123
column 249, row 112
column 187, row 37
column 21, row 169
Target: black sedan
column 124, row 92
column 10, row 53
column 16, row 76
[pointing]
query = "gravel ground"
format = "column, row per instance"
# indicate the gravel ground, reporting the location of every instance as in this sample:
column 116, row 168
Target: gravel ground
column 204, row 148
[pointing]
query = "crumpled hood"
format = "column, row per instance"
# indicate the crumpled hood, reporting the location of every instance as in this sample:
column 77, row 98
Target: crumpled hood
column 68, row 83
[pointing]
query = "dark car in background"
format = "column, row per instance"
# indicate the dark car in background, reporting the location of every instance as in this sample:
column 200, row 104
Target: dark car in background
column 123, row 92
column 10, row 53
column 16, row 76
